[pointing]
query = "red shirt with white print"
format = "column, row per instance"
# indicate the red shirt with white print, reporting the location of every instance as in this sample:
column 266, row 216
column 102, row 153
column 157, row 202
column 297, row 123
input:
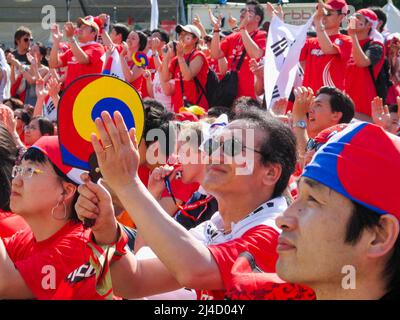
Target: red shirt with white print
column 256, row 234
column 95, row 53
column 11, row 223
column 232, row 46
column 47, row 265
column 325, row 69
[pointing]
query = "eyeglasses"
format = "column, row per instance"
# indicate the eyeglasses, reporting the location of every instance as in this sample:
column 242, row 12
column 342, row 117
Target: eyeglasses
column 28, row 127
column 231, row 147
column 25, row 172
column 313, row 145
column 28, row 39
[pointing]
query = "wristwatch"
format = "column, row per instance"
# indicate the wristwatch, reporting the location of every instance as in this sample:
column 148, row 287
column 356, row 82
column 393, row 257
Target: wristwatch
column 300, row 124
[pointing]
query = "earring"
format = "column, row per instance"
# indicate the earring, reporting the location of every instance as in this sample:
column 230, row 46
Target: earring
column 65, row 211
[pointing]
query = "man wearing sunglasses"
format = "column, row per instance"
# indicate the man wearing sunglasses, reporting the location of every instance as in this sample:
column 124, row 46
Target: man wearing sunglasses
column 324, row 57
column 201, row 258
column 22, row 41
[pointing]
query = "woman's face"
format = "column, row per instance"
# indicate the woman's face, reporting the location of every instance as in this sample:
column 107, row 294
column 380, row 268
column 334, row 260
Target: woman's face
column 187, row 39
column 133, row 41
column 32, row 182
column 32, row 132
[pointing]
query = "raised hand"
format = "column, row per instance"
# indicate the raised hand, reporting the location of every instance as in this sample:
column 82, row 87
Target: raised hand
column 257, row 68
column 7, row 118
column 56, row 33
column 303, row 99
column 197, row 22
column 215, row 21
column 53, row 87
column 232, row 21
column 69, row 29
column 280, row 106
column 380, row 113
column 41, row 90
column 116, row 146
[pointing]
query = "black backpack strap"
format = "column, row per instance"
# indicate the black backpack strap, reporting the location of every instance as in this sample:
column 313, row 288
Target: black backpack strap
column 239, row 65
column 181, row 77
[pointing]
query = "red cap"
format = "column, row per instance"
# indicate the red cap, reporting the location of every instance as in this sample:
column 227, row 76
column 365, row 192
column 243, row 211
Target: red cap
column 92, row 22
column 50, row 146
column 339, row 5
column 369, row 15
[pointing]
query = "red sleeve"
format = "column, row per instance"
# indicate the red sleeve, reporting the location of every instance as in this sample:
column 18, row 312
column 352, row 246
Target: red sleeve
column 344, row 46
column 261, row 40
column 94, row 53
column 65, row 57
column 44, row 271
column 224, row 45
column 260, row 242
column 304, row 51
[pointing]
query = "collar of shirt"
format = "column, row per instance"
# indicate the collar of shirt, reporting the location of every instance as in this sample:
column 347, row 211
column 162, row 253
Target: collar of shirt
column 212, row 231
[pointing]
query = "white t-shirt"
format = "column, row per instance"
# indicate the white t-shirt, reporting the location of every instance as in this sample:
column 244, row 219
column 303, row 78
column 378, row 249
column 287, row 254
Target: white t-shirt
column 159, row 94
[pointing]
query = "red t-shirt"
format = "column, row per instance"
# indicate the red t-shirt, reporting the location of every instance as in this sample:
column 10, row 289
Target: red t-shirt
column 191, row 91
column 94, row 51
column 325, row 69
column 46, row 264
column 232, row 46
column 393, row 93
column 152, row 68
column 248, row 283
column 358, row 82
column 260, row 241
column 137, row 83
column 11, row 223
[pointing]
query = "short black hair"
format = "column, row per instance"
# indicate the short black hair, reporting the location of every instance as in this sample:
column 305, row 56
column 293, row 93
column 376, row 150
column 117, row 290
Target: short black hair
column 45, row 125
column 21, row 31
column 13, row 103
column 23, row 115
column 142, row 40
column 363, row 218
column 121, row 29
column 156, row 116
column 8, row 156
column 381, row 16
column 216, row 111
column 35, row 155
column 259, row 10
column 279, row 145
column 243, row 103
column 164, row 35
column 340, row 102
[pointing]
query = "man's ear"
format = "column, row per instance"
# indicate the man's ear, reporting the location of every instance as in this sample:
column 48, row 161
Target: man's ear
column 337, row 115
column 384, row 237
column 272, row 174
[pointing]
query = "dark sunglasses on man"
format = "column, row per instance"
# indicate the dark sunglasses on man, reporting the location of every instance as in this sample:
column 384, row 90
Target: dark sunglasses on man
column 231, row 147
column 28, row 39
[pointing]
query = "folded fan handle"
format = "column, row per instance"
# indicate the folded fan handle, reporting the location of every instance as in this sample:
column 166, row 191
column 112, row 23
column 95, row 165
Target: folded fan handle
column 94, row 175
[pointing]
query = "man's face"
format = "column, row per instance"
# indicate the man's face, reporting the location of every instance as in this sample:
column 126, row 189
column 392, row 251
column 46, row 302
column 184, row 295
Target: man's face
column 252, row 13
column 115, row 37
column 311, row 247
column 85, row 33
column 24, row 42
column 362, row 23
column 332, row 19
column 241, row 172
column 320, row 115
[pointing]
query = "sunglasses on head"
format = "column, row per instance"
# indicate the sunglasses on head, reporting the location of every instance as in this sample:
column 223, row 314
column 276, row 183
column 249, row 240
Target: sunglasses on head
column 231, row 147
column 313, row 145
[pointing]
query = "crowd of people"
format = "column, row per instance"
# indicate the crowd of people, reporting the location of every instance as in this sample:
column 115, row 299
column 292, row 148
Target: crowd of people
column 241, row 201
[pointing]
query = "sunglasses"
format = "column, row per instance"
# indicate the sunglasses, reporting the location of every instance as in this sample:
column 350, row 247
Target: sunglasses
column 28, row 39
column 313, row 145
column 231, row 147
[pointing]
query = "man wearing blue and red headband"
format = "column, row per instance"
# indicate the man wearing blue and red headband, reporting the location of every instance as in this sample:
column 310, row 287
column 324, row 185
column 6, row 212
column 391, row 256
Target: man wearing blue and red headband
column 341, row 235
